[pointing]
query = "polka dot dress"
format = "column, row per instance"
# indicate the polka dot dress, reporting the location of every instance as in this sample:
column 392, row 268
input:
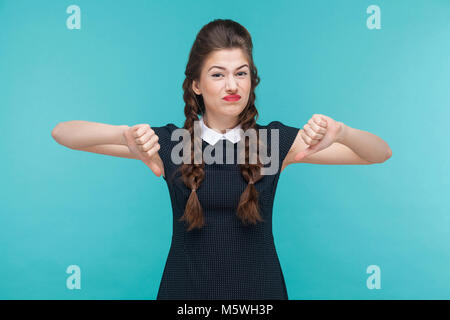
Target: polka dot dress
column 225, row 259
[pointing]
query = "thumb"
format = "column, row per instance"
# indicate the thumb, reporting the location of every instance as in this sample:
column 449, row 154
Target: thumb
column 306, row 152
column 154, row 167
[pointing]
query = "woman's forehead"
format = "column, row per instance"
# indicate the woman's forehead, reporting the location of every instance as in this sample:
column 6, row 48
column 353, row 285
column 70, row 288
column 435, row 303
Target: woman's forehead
column 226, row 58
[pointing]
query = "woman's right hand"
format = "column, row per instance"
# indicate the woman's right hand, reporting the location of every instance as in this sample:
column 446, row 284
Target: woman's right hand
column 143, row 142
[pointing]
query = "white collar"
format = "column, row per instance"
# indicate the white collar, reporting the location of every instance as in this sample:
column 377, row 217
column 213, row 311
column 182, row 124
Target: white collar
column 211, row 136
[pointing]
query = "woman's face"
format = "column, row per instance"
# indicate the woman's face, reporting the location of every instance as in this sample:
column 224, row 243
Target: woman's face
column 225, row 72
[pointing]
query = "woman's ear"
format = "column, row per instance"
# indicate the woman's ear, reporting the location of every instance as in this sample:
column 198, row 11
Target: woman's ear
column 195, row 87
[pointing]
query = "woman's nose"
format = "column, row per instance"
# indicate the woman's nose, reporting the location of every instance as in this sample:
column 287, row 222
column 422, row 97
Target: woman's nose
column 231, row 84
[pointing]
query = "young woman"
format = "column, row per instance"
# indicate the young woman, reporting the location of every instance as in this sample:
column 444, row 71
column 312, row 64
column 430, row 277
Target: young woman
column 222, row 245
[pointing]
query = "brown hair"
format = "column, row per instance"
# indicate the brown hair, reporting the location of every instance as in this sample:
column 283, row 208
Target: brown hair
column 216, row 35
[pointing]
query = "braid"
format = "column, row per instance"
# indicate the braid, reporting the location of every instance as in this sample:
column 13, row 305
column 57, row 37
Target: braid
column 192, row 174
column 248, row 208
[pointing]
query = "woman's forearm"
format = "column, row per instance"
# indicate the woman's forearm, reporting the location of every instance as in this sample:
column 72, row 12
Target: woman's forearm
column 367, row 145
column 79, row 134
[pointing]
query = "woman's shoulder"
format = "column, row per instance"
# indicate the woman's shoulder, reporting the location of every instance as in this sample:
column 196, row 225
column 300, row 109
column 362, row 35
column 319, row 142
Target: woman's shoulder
column 165, row 132
column 167, row 128
column 286, row 132
column 274, row 124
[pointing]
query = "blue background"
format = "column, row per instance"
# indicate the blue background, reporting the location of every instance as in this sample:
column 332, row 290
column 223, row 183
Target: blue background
column 112, row 216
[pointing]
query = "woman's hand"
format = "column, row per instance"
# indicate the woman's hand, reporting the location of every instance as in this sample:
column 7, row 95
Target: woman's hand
column 143, row 142
column 319, row 133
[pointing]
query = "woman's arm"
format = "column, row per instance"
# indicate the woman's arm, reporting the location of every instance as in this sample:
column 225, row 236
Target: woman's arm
column 78, row 134
column 136, row 142
column 366, row 145
column 326, row 141
column 114, row 150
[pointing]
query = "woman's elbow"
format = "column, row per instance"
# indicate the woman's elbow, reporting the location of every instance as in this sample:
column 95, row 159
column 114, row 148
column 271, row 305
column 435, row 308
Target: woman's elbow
column 388, row 155
column 56, row 134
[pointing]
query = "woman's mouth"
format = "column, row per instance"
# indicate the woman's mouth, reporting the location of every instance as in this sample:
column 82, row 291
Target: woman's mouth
column 233, row 97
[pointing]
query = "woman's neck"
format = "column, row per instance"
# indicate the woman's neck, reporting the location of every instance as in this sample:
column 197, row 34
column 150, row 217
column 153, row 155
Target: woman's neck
column 219, row 126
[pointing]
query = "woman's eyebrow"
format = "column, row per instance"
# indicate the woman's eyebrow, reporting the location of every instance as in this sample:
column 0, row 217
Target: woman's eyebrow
column 219, row 67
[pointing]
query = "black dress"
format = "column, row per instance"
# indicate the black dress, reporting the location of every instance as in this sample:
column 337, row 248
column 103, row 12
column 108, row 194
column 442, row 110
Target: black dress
column 225, row 259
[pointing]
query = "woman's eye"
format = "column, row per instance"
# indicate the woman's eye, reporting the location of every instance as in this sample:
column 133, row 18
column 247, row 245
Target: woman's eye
column 219, row 74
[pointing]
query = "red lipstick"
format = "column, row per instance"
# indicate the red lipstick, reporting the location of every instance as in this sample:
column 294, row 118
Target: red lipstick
column 233, row 97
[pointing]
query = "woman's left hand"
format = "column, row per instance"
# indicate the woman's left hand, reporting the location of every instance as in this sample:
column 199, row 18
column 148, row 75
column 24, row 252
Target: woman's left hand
column 319, row 133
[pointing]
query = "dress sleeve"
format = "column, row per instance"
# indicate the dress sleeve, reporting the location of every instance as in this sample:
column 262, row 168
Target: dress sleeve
column 287, row 135
column 164, row 134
